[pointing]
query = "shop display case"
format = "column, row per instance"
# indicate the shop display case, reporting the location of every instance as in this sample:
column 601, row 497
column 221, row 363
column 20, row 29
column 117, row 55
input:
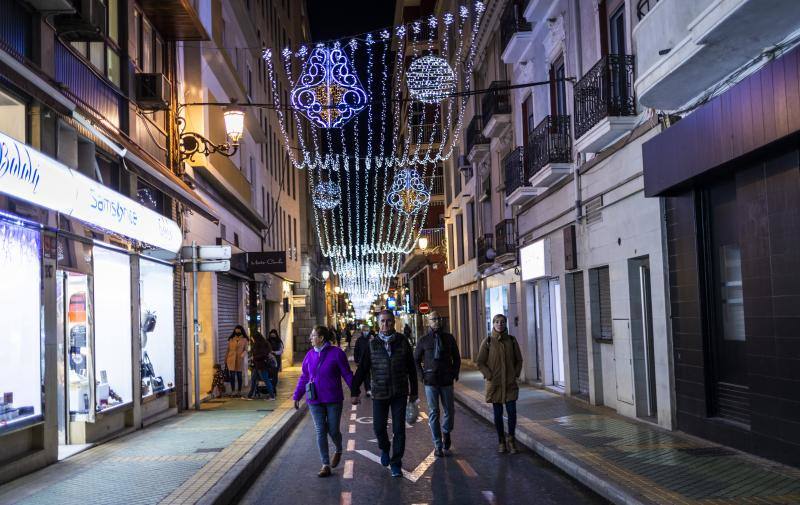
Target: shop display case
column 157, row 330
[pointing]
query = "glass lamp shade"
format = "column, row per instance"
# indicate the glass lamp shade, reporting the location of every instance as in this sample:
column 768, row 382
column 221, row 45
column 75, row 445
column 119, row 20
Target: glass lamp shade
column 325, row 275
column 337, row 290
column 234, row 123
column 423, row 243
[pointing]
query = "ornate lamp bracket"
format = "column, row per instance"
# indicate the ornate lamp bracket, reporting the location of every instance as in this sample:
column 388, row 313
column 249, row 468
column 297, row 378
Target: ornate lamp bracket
column 193, row 143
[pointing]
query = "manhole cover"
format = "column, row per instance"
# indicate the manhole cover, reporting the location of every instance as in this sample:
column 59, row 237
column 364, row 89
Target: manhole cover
column 708, row 451
column 209, row 449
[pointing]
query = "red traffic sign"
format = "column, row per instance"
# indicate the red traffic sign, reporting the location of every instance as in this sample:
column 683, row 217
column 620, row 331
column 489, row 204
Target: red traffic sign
column 424, row 307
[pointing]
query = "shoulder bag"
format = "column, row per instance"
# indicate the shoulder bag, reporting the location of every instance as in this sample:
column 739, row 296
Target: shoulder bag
column 311, row 388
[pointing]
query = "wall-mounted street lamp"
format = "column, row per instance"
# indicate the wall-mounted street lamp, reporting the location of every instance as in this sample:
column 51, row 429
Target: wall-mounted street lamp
column 337, row 290
column 193, row 143
column 325, row 275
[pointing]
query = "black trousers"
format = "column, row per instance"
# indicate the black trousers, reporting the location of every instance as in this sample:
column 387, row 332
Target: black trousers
column 380, row 418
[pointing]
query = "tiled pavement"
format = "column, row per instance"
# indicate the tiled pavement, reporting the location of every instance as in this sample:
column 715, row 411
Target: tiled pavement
column 175, row 461
column 628, row 461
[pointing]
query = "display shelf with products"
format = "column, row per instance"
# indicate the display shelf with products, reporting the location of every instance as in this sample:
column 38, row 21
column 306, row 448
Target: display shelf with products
column 157, row 331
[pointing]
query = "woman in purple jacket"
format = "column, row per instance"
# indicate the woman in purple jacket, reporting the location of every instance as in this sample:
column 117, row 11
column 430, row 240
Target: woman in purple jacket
column 321, row 382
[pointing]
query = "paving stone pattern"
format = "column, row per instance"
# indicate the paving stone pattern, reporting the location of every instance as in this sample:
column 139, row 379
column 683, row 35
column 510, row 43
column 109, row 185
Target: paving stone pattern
column 655, row 465
column 174, row 461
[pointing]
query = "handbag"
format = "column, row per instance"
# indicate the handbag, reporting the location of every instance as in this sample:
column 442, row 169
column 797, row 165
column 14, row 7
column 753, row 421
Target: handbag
column 311, row 388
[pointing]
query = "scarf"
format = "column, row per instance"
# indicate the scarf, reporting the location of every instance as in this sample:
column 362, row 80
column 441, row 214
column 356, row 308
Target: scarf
column 320, row 348
column 499, row 336
column 387, row 342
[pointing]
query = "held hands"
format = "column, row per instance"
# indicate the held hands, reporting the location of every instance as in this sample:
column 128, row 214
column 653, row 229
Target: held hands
column 356, row 400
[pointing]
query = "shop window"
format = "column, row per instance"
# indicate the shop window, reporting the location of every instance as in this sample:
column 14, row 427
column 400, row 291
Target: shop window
column 20, row 306
column 12, row 117
column 600, row 291
column 157, row 330
column 496, row 303
column 112, row 338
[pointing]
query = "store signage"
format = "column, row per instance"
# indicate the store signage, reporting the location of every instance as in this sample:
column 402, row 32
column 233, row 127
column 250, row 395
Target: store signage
column 266, row 262
column 532, row 261
column 391, row 303
column 424, row 307
column 29, row 175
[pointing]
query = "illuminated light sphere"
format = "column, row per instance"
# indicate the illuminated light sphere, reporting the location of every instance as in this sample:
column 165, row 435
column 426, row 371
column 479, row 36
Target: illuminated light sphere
column 328, row 92
column 430, row 79
column 327, row 195
column 408, row 194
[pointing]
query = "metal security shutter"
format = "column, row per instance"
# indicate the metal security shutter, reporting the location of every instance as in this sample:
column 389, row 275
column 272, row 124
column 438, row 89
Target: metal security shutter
column 227, row 312
column 579, row 309
column 600, row 288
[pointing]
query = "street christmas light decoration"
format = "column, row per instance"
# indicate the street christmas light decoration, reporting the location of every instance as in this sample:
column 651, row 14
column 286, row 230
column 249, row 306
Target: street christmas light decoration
column 328, row 92
column 327, row 195
column 362, row 87
column 430, row 79
column 409, row 194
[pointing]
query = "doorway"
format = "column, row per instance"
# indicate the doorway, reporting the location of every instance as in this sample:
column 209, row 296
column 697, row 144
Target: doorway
column 642, row 342
column 556, row 344
column 576, row 329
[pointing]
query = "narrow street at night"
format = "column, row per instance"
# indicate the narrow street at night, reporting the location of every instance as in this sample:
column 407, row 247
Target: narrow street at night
column 471, row 473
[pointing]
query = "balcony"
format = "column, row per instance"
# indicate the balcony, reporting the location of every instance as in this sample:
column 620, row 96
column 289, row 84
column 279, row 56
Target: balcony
column 15, row 29
column 685, row 48
column 605, row 107
column 548, row 155
column 437, row 240
column 477, row 144
column 436, row 184
column 176, row 20
column 518, row 189
column 486, row 253
column 516, row 37
column 425, row 134
column 506, row 241
column 496, row 109
column 82, row 83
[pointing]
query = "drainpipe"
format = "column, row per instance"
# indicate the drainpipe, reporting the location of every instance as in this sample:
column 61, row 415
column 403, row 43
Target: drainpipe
column 576, row 14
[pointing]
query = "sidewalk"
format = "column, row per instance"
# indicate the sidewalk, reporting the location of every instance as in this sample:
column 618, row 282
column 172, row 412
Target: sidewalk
column 194, row 457
column 632, row 462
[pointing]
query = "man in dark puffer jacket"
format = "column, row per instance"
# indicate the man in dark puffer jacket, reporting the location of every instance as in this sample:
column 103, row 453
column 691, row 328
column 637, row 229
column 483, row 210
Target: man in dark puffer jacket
column 390, row 361
column 438, row 360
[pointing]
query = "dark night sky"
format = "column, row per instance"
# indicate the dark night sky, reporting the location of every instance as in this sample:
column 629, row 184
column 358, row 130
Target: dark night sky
column 332, row 19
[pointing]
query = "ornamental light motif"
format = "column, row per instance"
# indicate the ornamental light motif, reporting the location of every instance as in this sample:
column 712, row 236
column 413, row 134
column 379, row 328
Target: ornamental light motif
column 328, row 92
column 430, row 79
column 327, row 195
column 409, row 194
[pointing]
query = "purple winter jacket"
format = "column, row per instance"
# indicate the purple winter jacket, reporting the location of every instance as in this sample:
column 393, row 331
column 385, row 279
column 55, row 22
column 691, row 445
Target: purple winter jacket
column 328, row 379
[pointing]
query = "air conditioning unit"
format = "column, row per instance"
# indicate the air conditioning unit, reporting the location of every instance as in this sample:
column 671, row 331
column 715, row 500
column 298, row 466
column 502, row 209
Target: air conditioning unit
column 152, row 91
column 87, row 23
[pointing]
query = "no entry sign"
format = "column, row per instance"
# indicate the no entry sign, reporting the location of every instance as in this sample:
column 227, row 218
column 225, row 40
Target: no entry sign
column 424, row 308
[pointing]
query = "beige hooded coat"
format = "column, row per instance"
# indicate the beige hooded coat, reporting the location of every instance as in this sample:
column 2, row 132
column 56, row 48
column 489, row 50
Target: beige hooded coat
column 500, row 362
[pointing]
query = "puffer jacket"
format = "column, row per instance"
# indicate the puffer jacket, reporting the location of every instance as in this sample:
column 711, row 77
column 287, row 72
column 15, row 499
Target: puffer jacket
column 500, row 362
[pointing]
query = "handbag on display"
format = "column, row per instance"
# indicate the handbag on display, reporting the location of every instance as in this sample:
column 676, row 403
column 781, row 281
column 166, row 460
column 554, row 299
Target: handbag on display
column 147, row 371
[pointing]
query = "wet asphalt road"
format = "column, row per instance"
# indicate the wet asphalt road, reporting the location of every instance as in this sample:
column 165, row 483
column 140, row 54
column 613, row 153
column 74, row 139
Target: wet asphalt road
column 472, row 473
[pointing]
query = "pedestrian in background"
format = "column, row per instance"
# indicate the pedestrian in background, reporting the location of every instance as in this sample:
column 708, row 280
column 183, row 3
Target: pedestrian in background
column 348, row 336
column 276, row 344
column 324, row 367
column 234, row 358
column 500, row 362
column 407, row 333
column 437, row 356
column 260, row 351
column 394, row 383
column 361, row 347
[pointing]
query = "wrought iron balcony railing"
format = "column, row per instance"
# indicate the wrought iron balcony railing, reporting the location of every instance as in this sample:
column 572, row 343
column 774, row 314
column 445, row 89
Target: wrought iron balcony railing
column 496, row 101
column 505, row 237
column 437, row 240
column 485, row 243
column 512, row 22
column 549, row 142
column 436, row 183
column 427, row 133
column 475, row 133
column 606, row 90
column 514, row 170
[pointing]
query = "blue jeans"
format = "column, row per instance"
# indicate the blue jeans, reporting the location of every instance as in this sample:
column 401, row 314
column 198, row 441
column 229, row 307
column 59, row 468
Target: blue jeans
column 380, row 417
column 511, row 410
column 326, row 422
column 434, row 394
column 264, row 376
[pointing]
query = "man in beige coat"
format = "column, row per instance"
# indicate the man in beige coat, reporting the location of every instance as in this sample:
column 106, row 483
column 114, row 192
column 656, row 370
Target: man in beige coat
column 500, row 362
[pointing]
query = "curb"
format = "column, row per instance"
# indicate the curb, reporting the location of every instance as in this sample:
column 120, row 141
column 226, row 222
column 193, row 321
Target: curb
column 587, row 476
column 228, row 488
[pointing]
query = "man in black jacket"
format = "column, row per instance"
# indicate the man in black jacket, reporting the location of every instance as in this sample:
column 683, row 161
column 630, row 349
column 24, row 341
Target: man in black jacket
column 361, row 348
column 438, row 360
column 390, row 360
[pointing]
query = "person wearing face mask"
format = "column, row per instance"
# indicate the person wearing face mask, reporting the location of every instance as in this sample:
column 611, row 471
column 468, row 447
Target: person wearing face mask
column 500, row 363
column 324, row 367
column 390, row 361
column 234, row 358
column 438, row 360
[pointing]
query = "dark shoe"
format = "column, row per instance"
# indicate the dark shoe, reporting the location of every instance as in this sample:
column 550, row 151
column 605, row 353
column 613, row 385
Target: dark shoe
column 446, row 441
column 385, row 458
column 397, row 471
column 336, row 458
column 438, row 452
column 325, row 471
column 501, row 448
column 512, row 445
